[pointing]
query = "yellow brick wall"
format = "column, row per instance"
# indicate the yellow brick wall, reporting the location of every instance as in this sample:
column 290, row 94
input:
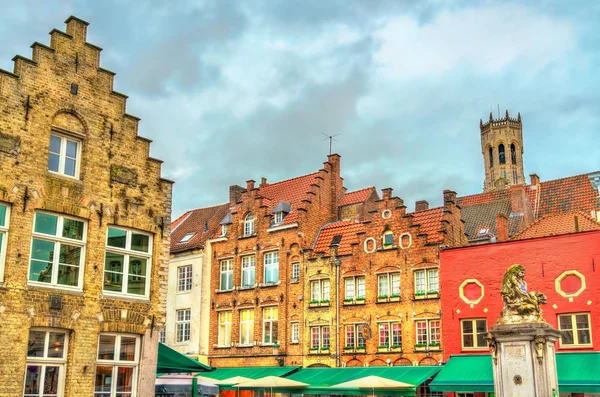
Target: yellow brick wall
column 119, row 184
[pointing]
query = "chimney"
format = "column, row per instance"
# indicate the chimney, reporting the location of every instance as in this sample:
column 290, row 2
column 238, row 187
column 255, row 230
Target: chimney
column 421, row 205
column 535, row 179
column 449, row 198
column 263, row 181
column 501, row 227
column 235, row 193
column 386, row 193
column 250, row 185
column 517, row 198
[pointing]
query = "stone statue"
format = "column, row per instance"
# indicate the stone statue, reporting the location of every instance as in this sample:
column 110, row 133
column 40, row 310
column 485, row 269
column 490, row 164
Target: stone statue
column 520, row 306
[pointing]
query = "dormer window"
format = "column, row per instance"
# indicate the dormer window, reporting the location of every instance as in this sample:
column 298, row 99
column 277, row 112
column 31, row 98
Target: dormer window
column 225, row 224
column 388, row 238
column 280, row 212
column 224, row 230
column 186, row 238
column 278, row 218
column 249, row 225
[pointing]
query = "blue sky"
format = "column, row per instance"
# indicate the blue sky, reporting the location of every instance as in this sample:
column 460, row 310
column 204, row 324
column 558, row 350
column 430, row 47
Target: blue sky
column 236, row 90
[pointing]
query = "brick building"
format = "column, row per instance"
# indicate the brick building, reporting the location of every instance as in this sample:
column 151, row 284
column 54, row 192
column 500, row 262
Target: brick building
column 84, row 228
column 371, row 288
column 258, row 257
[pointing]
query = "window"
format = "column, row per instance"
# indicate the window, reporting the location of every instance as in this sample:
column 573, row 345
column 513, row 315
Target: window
column 224, row 337
column 182, row 330
column 278, row 218
column 389, row 285
column 355, row 288
column 271, row 267
column 270, row 316
column 63, row 157
column 184, row 278
column 205, row 226
column 426, row 282
column 226, row 279
column 117, row 365
column 295, row 332
column 491, row 157
column 127, row 262
column 162, row 336
column 388, row 239
column 513, row 153
column 319, row 337
column 354, row 337
column 428, row 333
column 390, row 335
column 57, row 251
column 295, row 271
column 4, row 222
column 224, row 230
column 248, row 271
column 575, row 330
column 474, row 332
column 46, row 363
column 501, row 155
column 186, row 238
column 246, row 327
column 249, row 225
column 319, row 291
column 515, row 177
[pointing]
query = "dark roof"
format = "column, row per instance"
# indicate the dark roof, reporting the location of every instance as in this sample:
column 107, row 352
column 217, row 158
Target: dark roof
column 480, row 219
column 194, row 221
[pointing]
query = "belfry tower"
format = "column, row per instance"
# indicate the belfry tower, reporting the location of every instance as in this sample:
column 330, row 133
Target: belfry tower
column 502, row 149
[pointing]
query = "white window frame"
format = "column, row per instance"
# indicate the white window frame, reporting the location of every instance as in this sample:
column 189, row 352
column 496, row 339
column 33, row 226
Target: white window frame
column 117, row 363
column 356, row 335
column 45, row 361
column 226, row 269
column 320, row 331
column 389, row 283
column 270, row 316
column 162, row 335
column 187, row 238
column 224, row 228
column 473, row 334
column 427, row 274
column 62, row 156
column 391, row 243
column 575, row 329
column 249, row 225
column 389, row 342
column 356, row 284
column 278, row 218
column 295, row 332
column 248, row 268
column 4, row 243
column 428, row 330
column 183, row 325
column 296, row 271
column 58, row 240
column 247, row 327
column 184, row 278
column 271, row 261
column 224, row 333
column 128, row 252
column 322, row 293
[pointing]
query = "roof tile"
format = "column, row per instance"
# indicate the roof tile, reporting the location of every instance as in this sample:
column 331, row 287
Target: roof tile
column 194, row 221
column 357, row 196
column 559, row 224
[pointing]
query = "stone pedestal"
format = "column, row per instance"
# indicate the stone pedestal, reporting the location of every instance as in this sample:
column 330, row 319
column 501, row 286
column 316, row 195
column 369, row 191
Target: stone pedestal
column 524, row 360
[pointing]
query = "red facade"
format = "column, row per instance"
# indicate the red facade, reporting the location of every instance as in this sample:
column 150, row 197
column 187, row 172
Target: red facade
column 566, row 268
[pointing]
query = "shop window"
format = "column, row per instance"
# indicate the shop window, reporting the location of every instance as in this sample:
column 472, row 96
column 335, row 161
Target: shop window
column 46, row 363
column 117, row 365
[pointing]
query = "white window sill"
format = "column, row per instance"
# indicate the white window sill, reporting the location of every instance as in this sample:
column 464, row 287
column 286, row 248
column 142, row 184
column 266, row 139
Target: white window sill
column 136, row 298
column 46, row 286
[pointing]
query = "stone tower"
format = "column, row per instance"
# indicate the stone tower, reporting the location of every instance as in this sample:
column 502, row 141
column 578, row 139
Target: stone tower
column 502, row 149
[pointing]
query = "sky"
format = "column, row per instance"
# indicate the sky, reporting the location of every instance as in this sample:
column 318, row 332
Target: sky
column 237, row 90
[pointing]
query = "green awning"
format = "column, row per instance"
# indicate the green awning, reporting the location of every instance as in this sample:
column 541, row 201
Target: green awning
column 171, row 362
column 320, row 379
column 577, row 373
column 246, row 372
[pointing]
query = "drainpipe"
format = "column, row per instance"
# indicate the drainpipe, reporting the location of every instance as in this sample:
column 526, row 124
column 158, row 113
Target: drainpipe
column 336, row 261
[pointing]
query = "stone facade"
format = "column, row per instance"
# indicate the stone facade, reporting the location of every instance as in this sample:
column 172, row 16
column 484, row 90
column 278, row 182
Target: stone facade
column 71, row 153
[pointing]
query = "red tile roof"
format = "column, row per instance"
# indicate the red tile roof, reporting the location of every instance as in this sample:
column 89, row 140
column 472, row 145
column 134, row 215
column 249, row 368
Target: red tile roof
column 347, row 229
column 193, row 221
column 431, row 223
column 559, row 224
column 357, row 196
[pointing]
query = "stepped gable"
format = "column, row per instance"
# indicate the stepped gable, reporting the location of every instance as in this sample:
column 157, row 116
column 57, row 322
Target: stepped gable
column 430, row 222
column 348, row 229
column 194, row 221
column 357, row 196
column 553, row 225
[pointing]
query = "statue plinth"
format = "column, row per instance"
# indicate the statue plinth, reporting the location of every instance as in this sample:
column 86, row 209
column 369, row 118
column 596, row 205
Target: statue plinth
column 524, row 359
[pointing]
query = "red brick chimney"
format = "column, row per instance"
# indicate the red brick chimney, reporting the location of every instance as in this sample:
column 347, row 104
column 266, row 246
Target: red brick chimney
column 263, row 182
column 535, row 179
column 250, row 185
column 421, row 205
column 386, row 193
column 501, row 227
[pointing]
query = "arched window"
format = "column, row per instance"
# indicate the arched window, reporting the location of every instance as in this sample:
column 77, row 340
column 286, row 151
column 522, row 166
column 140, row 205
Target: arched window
column 491, row 157
column 501, row 155
column 513, row 153
column 249, row 225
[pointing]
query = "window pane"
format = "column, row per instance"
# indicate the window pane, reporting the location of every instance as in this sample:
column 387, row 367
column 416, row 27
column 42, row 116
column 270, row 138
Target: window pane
column 53, row 161
column 116, row 238
column 481, row 342
column 71, row 149
column 481, row 325
column 106, row 347
column 70, row 167
column 56, row 345
column 583, row 336
column 124, row 381
column 468, row 340
column 140, row 242
column 35, row 347
column 136, row 285
column 567, row 337
column 69, row 275
column 582, row 321
column 2, row 215
column 566, row 322
column 45, row 223
column 138, row 266
column 72, row 229
column 395, row 284
column 103, row 380
column 467, row 327
column 127, row 348
column 32, row 379
column 113, row 269
column 54, row 144
column 51, row 380
column 42, row 255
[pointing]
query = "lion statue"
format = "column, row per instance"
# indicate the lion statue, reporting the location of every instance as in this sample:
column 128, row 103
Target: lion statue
column 519, row 305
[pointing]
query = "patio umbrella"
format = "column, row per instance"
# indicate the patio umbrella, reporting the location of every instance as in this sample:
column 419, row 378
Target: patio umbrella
column 372, row 382
column 229, row 381
column 270, row 382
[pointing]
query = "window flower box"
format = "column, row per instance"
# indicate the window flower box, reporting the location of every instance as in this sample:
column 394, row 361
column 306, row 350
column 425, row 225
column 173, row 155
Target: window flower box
column 397, row 347
column 420, row 346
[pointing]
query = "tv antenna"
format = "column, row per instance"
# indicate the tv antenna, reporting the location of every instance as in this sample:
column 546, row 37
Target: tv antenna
column 331, row 139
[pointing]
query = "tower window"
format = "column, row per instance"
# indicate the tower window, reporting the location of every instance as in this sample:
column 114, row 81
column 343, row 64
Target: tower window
column 515, row 178
column 501, row 155
column 513, row 153
column 491, row 157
